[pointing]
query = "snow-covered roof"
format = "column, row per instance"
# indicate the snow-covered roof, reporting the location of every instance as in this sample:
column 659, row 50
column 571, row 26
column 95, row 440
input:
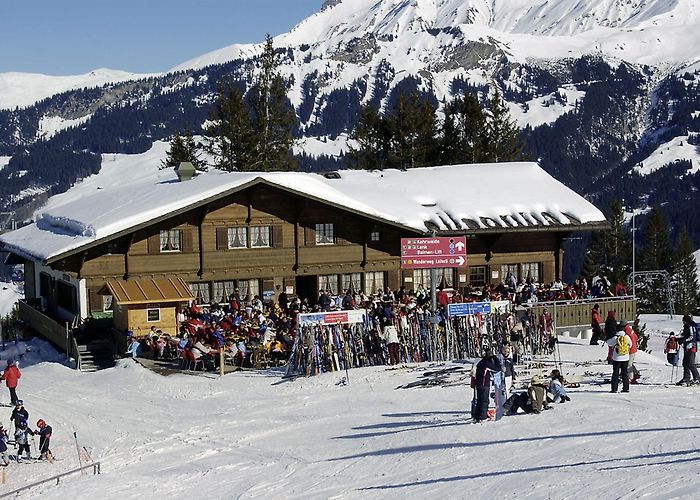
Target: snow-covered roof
column 461, row 198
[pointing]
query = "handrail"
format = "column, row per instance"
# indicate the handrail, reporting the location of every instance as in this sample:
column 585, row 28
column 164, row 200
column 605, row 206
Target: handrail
column 96, row 469
column 76, row 352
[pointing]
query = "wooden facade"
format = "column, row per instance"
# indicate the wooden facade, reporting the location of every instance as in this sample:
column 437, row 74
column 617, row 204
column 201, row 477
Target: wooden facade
column 284, row 251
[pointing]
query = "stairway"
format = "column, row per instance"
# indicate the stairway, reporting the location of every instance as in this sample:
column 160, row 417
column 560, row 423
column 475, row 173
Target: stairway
column 95, row 355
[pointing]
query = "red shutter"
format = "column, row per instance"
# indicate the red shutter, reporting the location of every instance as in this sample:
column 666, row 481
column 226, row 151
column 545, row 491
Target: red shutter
column 277, row 236
column 222, row 238
column 154, row 244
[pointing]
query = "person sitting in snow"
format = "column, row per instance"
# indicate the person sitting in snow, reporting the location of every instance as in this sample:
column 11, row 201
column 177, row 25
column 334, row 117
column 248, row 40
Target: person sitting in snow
column 534, row 400
column 556, row 387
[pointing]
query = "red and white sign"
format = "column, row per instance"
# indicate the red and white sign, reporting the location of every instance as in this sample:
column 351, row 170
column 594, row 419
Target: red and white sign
column 425, row 253
column 333, row 317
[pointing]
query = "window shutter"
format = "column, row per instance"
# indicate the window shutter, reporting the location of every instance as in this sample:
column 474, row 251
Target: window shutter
column 187, row 242
column 222, row 238
column 310, row 236
column 154, row 244
column 277, row 236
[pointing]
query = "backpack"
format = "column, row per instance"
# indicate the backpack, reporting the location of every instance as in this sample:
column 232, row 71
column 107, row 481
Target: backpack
column 672, row 344
column 695, row 332
column 623, row 345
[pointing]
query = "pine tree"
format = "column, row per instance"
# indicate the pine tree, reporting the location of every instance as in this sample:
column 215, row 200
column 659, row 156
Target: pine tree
column 274, row 118
column 503, row 136
column 656, row 255
column 413, row 128
column 463, row 137
column 372, row 137
column 617, row 246
column 231, row 139
column 183, row 148
column 684, row 278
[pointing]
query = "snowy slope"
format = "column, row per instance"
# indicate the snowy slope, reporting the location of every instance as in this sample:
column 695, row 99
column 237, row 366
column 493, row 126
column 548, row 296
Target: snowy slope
column 10, row 293
column 676, row 149
column 24, row 89
column 249, row 435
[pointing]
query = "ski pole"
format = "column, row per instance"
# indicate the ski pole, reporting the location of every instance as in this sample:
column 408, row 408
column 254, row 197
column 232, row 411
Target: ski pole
column 77, row 448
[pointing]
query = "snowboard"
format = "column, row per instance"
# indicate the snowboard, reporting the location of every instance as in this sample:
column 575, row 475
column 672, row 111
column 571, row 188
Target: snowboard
column 498, row 393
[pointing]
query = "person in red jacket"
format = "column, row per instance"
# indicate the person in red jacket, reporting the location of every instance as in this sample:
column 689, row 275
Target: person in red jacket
column 631, row 369
column 11, row 376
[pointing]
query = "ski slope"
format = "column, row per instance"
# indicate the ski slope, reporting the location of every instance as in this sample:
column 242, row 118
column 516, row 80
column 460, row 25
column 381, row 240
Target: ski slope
column 251, row 435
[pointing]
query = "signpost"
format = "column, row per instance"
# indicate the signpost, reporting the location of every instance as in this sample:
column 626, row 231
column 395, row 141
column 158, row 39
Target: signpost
column 428, row 253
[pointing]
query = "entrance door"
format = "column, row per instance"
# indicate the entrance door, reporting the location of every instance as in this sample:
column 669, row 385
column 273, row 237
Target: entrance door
column 307, row 288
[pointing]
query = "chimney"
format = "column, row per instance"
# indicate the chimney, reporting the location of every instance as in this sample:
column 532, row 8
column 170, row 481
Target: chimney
column 185, row 171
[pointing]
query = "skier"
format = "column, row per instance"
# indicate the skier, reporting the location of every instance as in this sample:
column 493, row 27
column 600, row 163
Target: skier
column 22, row 440
column 3, row 446
column 595, row 325
column 631, row 369
column 482, row 383
column 620, row 345
column 690, row 347
column 19, row 413
column 11, row 376
column 44, row 432
column 671, row 349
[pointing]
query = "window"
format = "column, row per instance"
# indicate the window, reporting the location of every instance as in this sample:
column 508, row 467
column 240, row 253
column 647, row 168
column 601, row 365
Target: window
column 324, row 234
column 201, row 292
column 248, row 289
column 152, row 313
column 66, row 296
column 374, row 282
column 237, row 237
column 477, row 275
column 222, row 289
column 530, row 270
column 443, row 276
column 259, row 236
column 351, row 281
column 374, row 236
column 328, row 282
column 170, row 240
column 509, row 268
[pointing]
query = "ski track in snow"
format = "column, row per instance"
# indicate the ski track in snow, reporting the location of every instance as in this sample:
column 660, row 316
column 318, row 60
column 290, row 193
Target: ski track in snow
column 250, row 435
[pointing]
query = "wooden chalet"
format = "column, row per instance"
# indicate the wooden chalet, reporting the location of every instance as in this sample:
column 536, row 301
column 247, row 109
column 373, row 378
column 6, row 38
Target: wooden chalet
column 266, row 233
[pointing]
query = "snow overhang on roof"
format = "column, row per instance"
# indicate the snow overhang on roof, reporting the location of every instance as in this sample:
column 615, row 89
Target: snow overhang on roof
column 496, row 197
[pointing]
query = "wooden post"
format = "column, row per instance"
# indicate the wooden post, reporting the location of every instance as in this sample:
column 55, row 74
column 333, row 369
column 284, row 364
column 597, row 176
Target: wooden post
column 4, row 475
column 221, row 361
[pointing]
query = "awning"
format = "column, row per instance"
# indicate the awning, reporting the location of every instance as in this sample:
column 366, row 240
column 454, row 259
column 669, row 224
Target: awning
column 147, row 291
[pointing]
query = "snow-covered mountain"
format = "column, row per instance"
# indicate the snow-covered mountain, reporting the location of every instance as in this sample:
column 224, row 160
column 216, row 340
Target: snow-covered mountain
column 601, row 87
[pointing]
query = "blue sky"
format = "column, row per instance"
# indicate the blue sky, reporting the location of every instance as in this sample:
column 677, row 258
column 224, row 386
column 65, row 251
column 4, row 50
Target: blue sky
column 63, row 37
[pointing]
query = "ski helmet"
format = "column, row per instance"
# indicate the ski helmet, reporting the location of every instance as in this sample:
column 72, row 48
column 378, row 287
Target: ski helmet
column 19, row 403
column 40, row 423
column 23, row 424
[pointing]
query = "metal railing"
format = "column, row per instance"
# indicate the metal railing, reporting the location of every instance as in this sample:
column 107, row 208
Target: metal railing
column 95, row 466
column 577, row 313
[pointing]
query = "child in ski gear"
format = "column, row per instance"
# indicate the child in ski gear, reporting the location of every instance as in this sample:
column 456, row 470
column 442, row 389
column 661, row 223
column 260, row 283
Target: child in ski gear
column 556, row 387
column 3, row 446
column 671, row 349
column 22, row 440
column 391, row 338
column 19, row 414
column 11, row 376
column 482, row 382
column 620, row 344
column 44, row 432
column 690, row 347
